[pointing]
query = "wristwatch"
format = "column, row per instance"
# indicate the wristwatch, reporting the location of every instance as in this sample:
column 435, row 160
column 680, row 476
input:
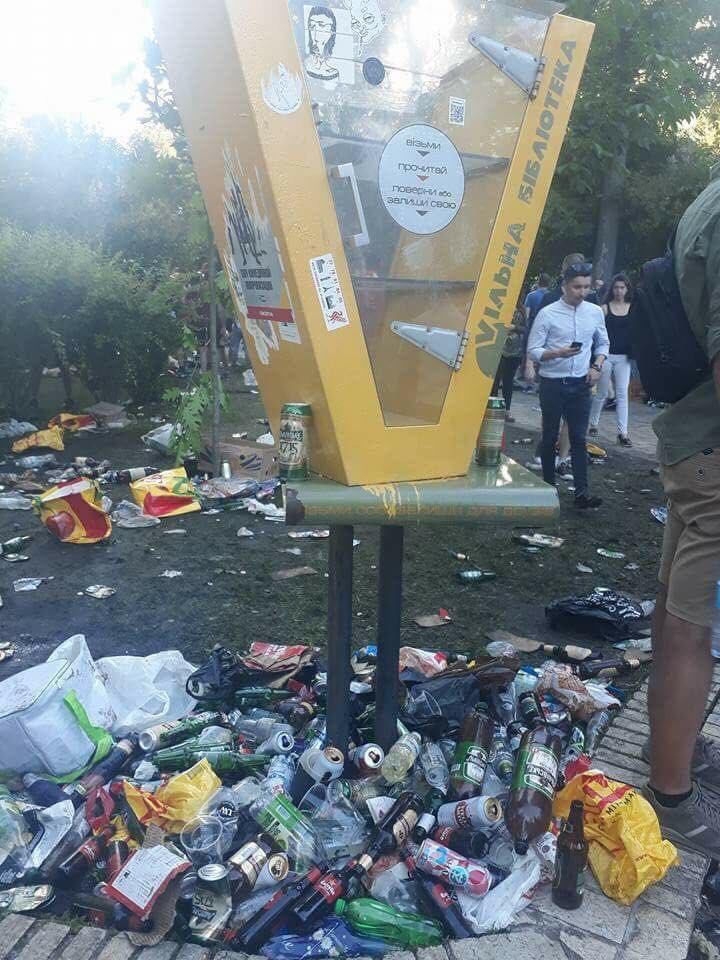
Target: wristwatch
column 597, row 366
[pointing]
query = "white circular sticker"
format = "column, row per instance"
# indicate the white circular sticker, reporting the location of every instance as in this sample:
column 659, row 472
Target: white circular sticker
column 421, row 179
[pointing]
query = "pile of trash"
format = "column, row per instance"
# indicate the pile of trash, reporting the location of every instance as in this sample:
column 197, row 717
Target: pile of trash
column 145, row 795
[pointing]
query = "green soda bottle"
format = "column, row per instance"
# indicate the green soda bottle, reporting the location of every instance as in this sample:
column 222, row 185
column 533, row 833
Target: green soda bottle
column 371, row 918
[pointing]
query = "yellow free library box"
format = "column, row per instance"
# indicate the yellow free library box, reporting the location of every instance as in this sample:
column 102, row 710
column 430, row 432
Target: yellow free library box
column 375, row 172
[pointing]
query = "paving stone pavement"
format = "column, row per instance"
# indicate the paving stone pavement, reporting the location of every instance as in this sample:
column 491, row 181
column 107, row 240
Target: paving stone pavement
column 658, row 925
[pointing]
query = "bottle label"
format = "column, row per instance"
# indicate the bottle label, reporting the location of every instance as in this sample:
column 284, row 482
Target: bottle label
column 403, row 826
column 470, row 763
column 536, row 769
column 329, row 887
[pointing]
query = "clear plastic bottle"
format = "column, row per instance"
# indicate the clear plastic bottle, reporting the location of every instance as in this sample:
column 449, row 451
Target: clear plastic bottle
column 434, row 766
column 715, row 630
column 260, row 729
column 395, row 887
column 401, row 757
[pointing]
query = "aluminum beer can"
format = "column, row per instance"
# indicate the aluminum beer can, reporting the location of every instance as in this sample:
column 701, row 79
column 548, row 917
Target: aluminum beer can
column 225, row 470
column 294, row 441
column 471, row 876
column 211, row 903
column 491, row 437
column 368, row 758
column 476, row 813
column 273, row 871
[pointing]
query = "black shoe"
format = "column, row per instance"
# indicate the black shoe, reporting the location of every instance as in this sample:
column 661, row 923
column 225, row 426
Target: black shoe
column 610, row 404
column 624, row 440
column 586, row 502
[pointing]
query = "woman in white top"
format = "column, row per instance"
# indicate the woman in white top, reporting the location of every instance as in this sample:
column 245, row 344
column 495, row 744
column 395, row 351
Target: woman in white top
column 616, row 309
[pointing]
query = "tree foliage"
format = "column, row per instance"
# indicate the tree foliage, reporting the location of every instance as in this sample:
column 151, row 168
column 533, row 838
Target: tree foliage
column 651, row 69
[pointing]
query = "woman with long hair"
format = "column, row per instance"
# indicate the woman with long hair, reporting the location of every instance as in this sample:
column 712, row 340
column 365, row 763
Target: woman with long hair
column 616, row 309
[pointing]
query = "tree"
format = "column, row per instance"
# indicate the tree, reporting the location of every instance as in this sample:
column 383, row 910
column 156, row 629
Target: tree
column 651, row 63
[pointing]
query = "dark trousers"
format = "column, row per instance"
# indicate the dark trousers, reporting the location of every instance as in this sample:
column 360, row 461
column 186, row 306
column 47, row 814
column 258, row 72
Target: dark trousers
column 504, row 378
column 567, row 397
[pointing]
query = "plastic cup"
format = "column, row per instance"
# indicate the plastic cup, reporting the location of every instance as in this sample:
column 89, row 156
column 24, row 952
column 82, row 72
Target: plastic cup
column 202, row 840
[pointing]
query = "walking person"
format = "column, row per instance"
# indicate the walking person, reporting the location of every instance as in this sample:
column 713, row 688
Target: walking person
column 618, row 364
column 569, row 342
column 683, row 763
column 510, row 361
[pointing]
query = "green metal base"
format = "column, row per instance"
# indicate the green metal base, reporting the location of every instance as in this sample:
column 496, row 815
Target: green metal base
column 507, row 495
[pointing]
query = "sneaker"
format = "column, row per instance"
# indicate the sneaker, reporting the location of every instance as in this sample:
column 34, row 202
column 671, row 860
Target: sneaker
column 509, row 419
column 564, row 470
column 593, row 432
column 694, row 824
column 624, row 440
column 705, row 766
column 610, row 404
column 586, row 502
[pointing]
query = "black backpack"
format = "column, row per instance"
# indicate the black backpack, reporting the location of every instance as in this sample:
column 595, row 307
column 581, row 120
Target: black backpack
column 669, row 358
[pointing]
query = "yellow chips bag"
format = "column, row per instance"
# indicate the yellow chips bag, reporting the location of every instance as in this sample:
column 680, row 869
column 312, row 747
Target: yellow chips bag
column 627, row 852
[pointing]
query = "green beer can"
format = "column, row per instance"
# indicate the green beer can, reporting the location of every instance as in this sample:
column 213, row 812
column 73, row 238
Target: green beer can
column 492, row 434
column 294, row 441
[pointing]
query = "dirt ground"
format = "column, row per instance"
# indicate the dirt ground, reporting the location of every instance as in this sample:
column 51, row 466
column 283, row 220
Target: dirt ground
column 226, row 595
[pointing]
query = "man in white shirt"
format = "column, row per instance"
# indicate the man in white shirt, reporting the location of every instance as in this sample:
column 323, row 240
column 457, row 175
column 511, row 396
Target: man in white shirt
column 570, row 343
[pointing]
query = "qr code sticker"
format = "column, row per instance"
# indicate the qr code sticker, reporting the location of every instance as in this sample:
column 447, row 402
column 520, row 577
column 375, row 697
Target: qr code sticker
column 456, row 111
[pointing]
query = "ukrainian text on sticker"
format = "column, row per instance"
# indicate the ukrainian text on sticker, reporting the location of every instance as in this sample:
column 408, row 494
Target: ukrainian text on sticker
column 421, row 179
column 282, row 90
column 252, row 260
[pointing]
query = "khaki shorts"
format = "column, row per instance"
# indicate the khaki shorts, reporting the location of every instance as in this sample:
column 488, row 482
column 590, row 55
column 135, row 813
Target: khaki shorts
column 690, row 565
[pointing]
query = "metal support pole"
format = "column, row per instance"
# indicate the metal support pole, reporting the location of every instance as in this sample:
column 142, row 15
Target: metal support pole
column 339, row 634
column 388, row 635
column 214, row 359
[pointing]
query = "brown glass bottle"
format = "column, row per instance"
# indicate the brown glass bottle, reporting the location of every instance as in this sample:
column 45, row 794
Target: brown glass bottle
column 530, row 709
column 296, row 712
column 393, row 831
column 84, row 857
column 570, row 861
column 529, row 807
column 471, row 754
column 320, row 899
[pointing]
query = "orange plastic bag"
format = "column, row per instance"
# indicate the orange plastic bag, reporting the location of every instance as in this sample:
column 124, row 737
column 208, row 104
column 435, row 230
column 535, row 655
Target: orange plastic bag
column 166, row 494
column 52, row 438
column 73, row 421
column 74, row 512
column 627, row 852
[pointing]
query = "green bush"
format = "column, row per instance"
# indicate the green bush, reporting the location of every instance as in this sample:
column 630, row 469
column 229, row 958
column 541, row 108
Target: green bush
column 62, row 299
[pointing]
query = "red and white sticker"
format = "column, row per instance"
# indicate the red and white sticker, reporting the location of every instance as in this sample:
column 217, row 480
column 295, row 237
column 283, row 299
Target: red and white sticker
column 330, row 295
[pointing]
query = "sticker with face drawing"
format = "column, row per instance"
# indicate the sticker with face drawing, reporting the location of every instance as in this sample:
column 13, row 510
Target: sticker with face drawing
column 329, row 47
column 282, row 90
column 368, row 22
column 252, row 260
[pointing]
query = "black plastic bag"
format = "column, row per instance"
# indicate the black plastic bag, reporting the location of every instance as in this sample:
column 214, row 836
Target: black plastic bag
column 603, row 613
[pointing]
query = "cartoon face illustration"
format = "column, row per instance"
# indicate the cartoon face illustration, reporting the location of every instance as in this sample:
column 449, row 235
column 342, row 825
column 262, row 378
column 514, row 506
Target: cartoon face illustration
column 368, row 21
column 321, row 35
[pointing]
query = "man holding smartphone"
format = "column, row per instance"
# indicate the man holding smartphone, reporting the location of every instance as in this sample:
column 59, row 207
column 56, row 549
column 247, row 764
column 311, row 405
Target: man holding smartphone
column 570, row 343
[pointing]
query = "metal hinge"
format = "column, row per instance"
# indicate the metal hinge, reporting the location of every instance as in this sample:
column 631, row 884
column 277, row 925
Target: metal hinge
column 522, row 68
column 448, row 346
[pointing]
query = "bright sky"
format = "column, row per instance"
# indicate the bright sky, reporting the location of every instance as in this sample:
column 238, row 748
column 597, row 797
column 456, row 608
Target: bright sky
column 73, row 58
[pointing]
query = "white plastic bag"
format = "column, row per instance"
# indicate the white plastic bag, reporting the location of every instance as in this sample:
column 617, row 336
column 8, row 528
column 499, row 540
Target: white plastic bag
column 38, row 733
column 498, row 908
column 146, row 690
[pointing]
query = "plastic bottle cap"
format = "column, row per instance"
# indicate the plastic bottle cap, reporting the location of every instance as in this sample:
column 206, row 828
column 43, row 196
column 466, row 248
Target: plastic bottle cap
column 340, row 907
column 521, row 847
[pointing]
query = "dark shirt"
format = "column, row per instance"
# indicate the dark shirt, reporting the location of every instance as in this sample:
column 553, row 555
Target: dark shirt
column 618, row 329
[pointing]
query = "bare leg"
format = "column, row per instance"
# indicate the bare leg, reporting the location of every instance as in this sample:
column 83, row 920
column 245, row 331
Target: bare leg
column 679, row 686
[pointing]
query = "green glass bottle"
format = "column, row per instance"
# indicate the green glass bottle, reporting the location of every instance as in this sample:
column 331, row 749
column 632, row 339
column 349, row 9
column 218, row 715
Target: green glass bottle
column 371, row 918
column 221, row 759
column 247, row 697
